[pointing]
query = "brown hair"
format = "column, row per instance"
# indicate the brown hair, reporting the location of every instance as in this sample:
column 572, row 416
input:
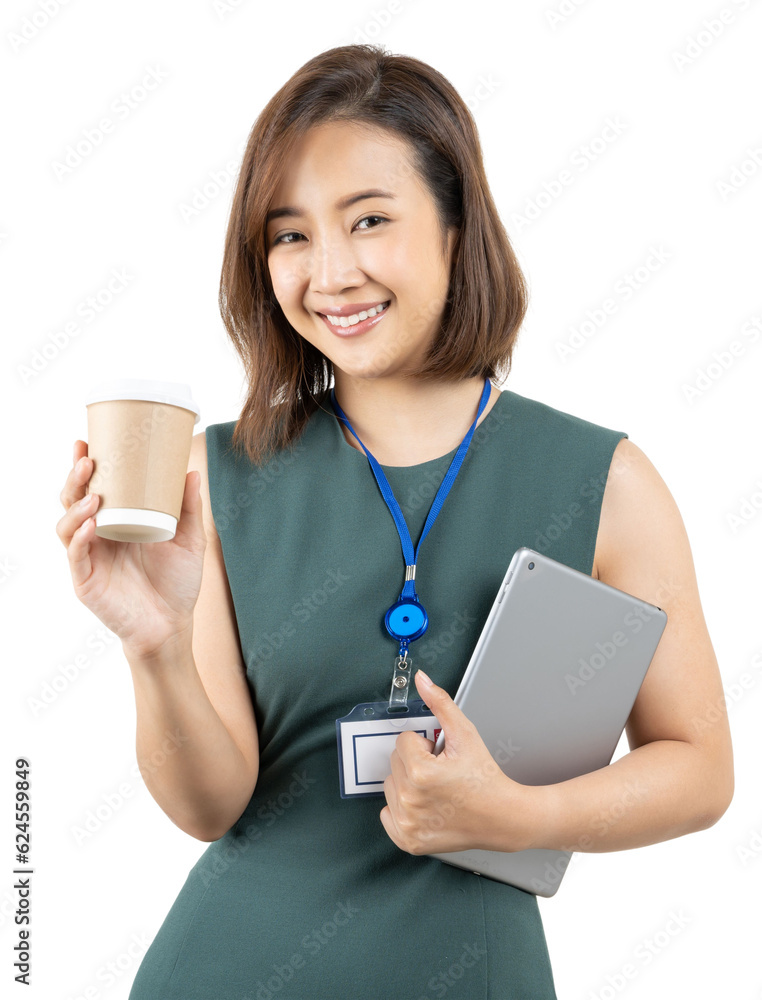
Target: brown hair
column 288, row 378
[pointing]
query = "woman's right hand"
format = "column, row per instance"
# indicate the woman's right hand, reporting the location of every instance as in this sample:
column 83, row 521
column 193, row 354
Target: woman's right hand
column 144, row 593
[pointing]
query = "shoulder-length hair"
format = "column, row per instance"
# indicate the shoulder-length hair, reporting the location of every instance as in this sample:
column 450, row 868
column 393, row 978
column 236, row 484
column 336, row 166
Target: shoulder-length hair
column 287, row 377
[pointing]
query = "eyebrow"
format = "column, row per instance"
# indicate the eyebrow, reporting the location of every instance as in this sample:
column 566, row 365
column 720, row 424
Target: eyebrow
column 290, row 210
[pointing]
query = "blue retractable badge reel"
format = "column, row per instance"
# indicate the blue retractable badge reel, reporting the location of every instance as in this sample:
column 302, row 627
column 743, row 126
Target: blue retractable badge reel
column 406, row 620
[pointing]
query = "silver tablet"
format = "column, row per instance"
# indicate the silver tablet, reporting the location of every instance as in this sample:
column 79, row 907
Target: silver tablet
column 550, row 686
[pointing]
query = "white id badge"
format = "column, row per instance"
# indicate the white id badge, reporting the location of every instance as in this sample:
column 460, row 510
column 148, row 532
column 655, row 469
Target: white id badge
column 366, row 739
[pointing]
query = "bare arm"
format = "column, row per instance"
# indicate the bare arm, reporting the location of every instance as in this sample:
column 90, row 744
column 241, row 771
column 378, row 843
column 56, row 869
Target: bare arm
column 196, row 737
column 678, row 776
column 191, row 764
column 170, row 605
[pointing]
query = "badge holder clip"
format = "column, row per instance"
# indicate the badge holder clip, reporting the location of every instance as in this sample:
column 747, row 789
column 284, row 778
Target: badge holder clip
column 401, row 681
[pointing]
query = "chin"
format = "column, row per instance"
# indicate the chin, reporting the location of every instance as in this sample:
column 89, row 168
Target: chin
column 377, row 365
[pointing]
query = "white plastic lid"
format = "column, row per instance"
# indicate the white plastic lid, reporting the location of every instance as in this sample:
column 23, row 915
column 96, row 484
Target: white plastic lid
column 131, row 524
column 175, row 393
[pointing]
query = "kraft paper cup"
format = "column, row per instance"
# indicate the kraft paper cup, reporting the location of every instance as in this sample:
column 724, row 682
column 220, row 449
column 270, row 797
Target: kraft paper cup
column 139, row 438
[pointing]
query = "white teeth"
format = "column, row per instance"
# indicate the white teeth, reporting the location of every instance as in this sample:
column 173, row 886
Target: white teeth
column 356, row 318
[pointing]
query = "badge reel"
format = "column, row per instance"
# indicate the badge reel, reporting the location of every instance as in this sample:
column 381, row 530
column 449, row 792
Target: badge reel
column 366, row 736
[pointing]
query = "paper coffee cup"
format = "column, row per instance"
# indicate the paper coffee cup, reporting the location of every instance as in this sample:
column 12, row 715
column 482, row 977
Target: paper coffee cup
column 139, row 437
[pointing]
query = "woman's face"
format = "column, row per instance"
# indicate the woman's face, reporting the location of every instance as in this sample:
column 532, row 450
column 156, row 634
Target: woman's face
column 329, row 259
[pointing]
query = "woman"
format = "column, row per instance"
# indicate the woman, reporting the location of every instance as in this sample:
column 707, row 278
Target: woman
column 364, row 249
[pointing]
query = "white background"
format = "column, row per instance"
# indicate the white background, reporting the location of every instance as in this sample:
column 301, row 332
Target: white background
column 541, row 88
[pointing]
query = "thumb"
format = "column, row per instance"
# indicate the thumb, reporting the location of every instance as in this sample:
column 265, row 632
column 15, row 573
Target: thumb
column 454, row 723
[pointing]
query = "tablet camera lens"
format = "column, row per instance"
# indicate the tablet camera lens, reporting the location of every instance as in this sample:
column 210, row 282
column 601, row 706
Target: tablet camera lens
column 530, row 565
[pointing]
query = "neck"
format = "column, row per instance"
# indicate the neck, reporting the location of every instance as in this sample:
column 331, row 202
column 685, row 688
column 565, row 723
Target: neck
column 405, row 421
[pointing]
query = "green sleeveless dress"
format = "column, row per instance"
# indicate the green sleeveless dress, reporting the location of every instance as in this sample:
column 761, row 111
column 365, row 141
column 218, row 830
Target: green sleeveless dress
column 306, row 897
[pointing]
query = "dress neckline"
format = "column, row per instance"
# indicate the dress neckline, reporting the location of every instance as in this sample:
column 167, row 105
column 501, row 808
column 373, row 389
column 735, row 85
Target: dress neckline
column 343, row 444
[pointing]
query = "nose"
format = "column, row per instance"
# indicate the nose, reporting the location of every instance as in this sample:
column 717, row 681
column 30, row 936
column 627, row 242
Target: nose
column 333, row 266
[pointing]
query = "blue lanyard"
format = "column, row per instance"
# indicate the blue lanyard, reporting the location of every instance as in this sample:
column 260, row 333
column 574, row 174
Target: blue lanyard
column 406, row 620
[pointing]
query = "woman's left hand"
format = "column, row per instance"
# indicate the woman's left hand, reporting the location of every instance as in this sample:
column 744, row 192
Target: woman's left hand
column 457, row 800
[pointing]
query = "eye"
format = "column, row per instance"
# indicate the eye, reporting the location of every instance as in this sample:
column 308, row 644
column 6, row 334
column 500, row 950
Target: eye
column 284, row 237
column 369, row 217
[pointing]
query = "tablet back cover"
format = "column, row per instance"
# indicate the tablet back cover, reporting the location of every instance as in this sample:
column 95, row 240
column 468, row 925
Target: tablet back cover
column 550, row 686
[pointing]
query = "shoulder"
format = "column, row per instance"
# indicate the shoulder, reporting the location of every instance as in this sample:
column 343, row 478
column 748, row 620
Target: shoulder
column 569, row 451
column 218, row 437
column 635, row 496
column 544, row 417
column 640, row 527
column 208, row 448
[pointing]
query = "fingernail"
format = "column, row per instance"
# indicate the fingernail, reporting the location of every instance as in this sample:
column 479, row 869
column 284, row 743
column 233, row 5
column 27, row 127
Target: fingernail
column 424, row 677
column 86, row 500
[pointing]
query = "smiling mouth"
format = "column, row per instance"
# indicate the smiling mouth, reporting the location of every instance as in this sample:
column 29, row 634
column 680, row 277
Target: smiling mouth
column 355, row 318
